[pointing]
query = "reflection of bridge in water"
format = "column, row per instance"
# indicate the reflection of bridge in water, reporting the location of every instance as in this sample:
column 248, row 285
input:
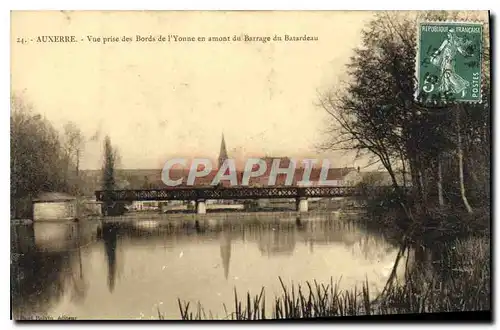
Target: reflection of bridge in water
column 271, row 239
column 56, row 263
column 201, row 194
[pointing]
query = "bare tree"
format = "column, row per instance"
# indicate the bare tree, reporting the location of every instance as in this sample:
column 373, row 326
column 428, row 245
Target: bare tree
column 73, row 144
column 374, row 113
column 37, row 158
column 460, row 154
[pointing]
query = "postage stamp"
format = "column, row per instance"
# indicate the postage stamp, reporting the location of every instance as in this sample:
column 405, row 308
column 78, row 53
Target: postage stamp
column 449, row 62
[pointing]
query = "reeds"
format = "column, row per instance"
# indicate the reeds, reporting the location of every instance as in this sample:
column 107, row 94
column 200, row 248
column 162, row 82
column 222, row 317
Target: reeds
column 458, row 282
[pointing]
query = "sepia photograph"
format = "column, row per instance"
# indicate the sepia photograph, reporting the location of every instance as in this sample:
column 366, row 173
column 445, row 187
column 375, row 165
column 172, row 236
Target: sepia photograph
column 250, row 165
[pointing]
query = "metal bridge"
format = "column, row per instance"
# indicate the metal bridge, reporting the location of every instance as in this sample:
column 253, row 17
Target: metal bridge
column 197, row 193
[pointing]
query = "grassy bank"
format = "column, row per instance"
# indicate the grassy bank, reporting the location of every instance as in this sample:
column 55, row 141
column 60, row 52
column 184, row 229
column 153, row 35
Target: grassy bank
column 458, row 281
column 449, row 272
column 426, row 223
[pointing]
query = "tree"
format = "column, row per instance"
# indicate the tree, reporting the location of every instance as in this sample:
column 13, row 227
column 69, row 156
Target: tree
column 375, row 114
column 36, row 157
column 109, row 180
column 146, row 184
column 460, row 155
column 108, row 172
column 73, row 144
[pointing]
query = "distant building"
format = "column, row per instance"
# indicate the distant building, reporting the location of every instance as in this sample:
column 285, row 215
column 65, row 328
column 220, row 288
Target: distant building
column 263, row 180
column 334, row 174
column 223, row 152
column 54, row 206
column 145, row 206
column 340, row 175
column 152, row 178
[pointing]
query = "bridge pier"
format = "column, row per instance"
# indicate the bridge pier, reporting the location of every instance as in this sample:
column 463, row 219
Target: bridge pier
column 302, row 204
column 201, row 206
column 198, row 196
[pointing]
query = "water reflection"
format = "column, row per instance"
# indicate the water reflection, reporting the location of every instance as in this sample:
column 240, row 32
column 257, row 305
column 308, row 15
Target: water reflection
column 276, row 242
column 72, row 269
column 43, row 259
column 109, row 238
column 225, row 252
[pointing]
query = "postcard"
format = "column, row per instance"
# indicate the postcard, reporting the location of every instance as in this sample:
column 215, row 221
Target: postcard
column 249, row 165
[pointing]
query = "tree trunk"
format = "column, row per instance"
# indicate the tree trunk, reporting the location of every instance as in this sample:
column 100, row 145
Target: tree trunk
column 440, row 181
column 415, row 178
column 77, row 174
column 77, row 162
column 422, row 186
column 419, row 183
column 461, row 162
column 403, row 170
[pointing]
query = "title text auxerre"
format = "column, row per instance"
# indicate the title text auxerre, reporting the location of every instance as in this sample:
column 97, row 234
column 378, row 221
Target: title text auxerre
column 56, row 39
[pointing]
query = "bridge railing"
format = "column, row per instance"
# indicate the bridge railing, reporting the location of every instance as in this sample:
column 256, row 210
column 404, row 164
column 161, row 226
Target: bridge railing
column 232, row 193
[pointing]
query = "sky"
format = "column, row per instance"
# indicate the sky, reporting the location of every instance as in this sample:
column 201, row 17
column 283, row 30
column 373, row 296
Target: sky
column 159, row 100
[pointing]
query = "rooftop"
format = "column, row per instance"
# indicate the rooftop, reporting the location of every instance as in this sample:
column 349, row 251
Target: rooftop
column 53, row 197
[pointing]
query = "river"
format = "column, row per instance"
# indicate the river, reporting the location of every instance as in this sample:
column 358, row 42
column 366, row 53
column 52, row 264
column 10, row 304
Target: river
column 130, row 270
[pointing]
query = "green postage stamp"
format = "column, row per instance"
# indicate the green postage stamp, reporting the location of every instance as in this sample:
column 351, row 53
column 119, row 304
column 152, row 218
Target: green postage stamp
column 449, row 62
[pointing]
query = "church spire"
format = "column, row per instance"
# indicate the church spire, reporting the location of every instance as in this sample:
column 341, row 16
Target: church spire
column 223, row 151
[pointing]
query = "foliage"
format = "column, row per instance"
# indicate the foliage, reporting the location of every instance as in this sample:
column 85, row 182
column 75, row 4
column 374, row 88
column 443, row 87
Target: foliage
column 73, row 142
column 440, row 152
column 108, row 170
column 38, row 160
column 374, row 113
column 109, row 178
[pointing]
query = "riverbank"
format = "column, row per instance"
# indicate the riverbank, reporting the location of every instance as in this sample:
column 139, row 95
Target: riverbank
column 430, row 225
column 227, row 217
column 178, row 261
column 459, row 282
column 450, row 272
